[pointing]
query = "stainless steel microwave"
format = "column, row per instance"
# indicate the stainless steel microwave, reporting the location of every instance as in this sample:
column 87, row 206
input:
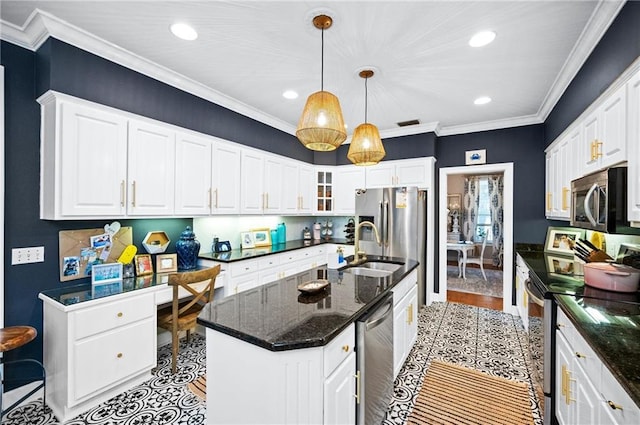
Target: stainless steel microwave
column 599, row 201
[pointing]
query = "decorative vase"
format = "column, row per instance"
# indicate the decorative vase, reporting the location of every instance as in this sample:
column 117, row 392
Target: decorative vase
column 187, row 249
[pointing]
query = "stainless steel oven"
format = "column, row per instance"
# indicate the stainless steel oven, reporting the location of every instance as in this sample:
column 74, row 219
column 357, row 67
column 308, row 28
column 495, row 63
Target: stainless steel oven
column 540, row 312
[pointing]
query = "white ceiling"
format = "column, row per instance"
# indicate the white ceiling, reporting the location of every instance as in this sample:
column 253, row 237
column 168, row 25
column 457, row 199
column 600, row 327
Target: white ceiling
column 249, row 52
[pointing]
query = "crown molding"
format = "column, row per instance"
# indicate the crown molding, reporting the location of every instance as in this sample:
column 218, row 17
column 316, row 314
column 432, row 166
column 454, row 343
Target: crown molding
column 489, row 125
column 598, row 24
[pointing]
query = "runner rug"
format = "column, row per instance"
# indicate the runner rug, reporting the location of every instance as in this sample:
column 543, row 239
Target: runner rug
column 453, row 394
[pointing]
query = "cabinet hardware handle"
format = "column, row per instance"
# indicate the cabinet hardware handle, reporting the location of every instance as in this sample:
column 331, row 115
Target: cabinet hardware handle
column 357, row 375
column 345, row 348
column 209, row 197
column 409, row 313
column 548, row 201
column 119, row 314
column 592, row 145
column 598, row 149
column 580, row 355
column 119, row 355
column 613, row 405
column 568, row 398
column 564, row 199
column 267, row 197
column 133, row 198
column 122, row 193
column 564, row 380
column 216, row 192
column 559, row 325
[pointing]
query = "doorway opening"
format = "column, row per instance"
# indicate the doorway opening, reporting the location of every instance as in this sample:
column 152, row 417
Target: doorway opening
column 467, row 221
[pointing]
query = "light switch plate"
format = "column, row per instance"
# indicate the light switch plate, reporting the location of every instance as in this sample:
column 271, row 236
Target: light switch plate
column 34, row 254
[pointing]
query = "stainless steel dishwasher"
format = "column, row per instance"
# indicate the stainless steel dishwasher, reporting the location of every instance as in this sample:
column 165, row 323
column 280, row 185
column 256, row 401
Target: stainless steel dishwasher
column 374, row 359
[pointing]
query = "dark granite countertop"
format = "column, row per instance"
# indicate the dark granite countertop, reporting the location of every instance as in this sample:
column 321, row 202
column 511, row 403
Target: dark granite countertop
column 614, row 334
column 278, row 317
column 245, row 254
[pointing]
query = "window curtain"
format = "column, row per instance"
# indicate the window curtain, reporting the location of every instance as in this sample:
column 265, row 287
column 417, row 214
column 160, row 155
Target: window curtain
column 496, row 189
column 470, row 207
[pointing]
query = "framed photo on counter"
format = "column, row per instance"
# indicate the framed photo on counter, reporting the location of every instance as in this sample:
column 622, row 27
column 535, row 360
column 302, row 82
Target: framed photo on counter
column 561, row 240
column 261, row 237
column 166, row 263
column 246, row 240
column 143, row 264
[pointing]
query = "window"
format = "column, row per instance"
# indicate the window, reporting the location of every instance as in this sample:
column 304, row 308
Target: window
column 483, row 222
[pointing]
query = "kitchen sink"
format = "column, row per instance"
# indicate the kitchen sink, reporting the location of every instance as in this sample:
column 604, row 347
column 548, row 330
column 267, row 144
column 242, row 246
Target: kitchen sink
column 366, row 271
column 375, row 265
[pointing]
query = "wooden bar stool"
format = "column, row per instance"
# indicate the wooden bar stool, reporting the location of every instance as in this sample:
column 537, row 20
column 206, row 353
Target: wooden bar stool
column 11, row 338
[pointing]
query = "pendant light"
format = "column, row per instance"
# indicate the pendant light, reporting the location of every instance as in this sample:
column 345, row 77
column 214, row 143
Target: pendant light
column 366, row 146
column 321, row 126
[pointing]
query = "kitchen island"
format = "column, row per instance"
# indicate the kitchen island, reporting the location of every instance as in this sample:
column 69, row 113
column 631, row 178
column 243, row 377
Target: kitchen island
column 277, row 355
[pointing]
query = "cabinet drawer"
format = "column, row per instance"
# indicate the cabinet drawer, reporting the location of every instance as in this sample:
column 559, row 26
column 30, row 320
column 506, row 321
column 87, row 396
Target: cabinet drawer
column 586, row 357
column 624, row 410
column 269, row 261
column 243, row 267
column 339, row 349
column 106, row 360
column 564, row 326
column 104, row 317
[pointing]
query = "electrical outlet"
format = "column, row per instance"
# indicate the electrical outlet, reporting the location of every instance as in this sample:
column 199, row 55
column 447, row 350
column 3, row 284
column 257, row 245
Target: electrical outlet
column 34, row 254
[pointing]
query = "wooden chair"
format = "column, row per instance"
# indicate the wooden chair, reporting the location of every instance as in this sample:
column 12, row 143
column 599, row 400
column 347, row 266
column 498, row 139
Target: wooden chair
column 181, row 315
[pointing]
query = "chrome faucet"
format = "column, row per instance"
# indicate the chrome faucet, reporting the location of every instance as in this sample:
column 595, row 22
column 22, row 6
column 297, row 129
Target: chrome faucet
column 360, row 256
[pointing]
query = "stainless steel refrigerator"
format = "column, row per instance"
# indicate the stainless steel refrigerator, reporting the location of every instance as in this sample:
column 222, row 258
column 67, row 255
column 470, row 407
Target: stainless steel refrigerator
column 400, row 215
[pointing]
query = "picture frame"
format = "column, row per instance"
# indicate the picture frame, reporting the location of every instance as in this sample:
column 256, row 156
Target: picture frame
column 261, row 237
column 106, row 273
column 144, row 265
column 561, row 240
column 454, row 201
column 246, row 240
column 475, row 157
column 562, row 265
column 166, row 263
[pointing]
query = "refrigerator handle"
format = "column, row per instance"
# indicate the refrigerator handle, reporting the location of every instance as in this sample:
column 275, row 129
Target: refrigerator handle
column 385, row 220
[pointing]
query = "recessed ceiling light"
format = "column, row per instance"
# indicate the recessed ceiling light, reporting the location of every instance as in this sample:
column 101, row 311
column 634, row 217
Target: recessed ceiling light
column 483, row 100
column 184, row 31
column 482, row 38
column 290, row 94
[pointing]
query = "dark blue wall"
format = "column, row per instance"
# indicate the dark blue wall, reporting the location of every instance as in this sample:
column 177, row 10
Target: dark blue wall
column 617, row 49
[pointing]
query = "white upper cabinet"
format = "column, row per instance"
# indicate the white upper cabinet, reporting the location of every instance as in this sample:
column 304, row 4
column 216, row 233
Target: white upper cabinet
column 83, row 161
column 251, row 178
column 605, row 133
column 193, row 175
column 347, row 178
column 633, row 145
column 306, row 189
column 273, row 187
column 406, row 172
column 225, row 173
column 561, row 166
column 151, row 169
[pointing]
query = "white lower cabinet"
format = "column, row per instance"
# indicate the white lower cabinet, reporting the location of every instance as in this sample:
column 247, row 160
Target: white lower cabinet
column 633, row 146
column 96, row 350
column 522, row 297
column 287, row 387
column 586, row 392
column 405, row 319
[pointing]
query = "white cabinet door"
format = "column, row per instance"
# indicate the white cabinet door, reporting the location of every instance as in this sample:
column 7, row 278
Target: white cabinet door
column 339, row 392
column 412, row 318
column 290, row 187
column 605, row 133
column 412, row 172
column 560, row 169
column 193, row 175
column 306, row 189
column 151, row 165
column 252, row 198
column 633, row 145
column 587, row 401
column 380, row 175
column 225, row 178
column 323, row 188
column 616, row 406
column 347, row 178
column 272, row 183
column 564, row 411
column 92, row 163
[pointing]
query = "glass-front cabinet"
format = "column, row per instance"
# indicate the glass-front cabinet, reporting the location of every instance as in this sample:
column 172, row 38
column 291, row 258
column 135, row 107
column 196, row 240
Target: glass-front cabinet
column 324, row 191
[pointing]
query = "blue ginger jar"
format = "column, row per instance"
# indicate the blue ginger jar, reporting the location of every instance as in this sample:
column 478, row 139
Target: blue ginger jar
column 187, row 249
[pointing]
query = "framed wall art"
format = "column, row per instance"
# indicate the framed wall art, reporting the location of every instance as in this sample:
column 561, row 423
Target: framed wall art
column 261, row 237
column 143, row 264
column 561, row 240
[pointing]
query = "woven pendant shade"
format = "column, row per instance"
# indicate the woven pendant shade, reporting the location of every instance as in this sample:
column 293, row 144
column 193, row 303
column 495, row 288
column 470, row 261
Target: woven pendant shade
column 321, row 126
column 366, row 146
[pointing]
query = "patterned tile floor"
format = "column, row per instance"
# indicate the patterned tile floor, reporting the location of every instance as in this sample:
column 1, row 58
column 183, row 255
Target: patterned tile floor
column 483, row 339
